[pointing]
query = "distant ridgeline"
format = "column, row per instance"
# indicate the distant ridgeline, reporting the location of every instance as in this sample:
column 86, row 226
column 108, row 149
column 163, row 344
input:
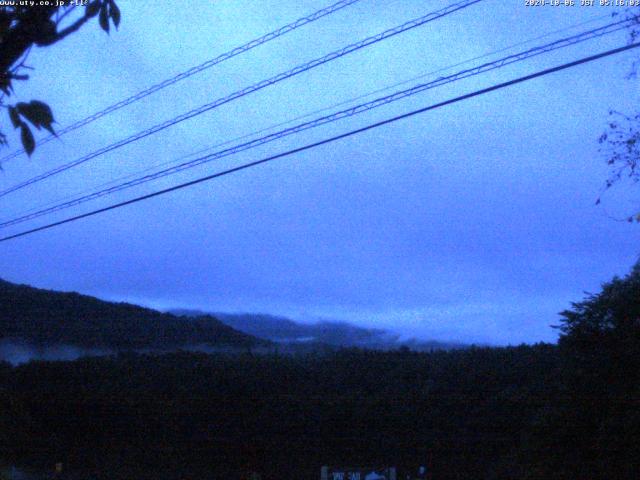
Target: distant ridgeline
column 331, row 333
column 49, row 325
column 47, row 318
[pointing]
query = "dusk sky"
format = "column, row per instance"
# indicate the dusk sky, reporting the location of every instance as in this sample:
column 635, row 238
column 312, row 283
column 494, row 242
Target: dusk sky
column 474, row 222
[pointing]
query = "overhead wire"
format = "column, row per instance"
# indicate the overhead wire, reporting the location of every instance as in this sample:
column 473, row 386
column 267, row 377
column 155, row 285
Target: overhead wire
column 308, row 114
column 355, row 110
column 324, row 109
column 251, row 89
column 192, row 71
column 332, row 139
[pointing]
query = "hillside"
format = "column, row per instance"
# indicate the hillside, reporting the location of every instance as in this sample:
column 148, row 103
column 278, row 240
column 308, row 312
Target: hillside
column 336, row 334
column 45, row 318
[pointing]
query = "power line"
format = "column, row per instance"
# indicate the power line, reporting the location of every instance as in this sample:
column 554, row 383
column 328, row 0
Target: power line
column 192, row 71
column 253, row 88
column 595, row 33
column 330, row 139
column 355, row 110
column 309, row 114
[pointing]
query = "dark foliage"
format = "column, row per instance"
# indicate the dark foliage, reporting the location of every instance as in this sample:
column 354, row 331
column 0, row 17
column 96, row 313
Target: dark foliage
column 40, row 24
column 186, row 415
column 620, row 142
column 596, row 433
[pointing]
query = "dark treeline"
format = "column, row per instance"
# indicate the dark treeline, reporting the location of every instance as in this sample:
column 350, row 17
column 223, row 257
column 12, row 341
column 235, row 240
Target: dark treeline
column 145, row 416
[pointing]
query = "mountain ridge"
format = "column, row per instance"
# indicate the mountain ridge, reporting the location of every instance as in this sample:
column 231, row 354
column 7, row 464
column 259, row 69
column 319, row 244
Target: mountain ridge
column 46, row 317
column 281, row 329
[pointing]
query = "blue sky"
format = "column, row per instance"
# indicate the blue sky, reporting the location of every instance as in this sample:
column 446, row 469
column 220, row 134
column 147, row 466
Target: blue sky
column 474, row 222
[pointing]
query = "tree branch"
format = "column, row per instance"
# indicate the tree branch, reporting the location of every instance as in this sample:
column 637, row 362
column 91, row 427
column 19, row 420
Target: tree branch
column 66, row 31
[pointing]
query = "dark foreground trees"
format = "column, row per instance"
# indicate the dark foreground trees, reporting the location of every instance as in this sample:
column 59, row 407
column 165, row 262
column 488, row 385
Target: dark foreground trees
column 595, row 432
column 25, row 25
column 189, row 415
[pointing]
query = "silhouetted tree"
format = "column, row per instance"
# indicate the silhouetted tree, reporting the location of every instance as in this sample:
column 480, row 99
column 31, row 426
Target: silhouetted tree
column 596, row 433
column 601, row 335
column 620, row 143
column 21, row 28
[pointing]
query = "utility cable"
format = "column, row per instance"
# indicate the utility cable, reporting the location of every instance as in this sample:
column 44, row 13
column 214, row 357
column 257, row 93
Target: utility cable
column 329, row 140
column 358, row 109
column 192, row 71
column 302, row 116
column 248, row 90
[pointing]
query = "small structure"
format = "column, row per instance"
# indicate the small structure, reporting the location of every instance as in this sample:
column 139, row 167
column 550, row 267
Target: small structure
column 357, row 473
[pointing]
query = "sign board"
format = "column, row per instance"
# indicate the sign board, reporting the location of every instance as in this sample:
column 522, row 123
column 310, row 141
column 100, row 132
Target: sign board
column 357, row 473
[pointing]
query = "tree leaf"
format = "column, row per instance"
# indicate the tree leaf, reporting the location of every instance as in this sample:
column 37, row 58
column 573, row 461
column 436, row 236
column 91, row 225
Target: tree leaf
column 104, row 18
column 5, row 84
column 28, row 142
column 115, row 13
column 92, row 9
column 24, row 109
column 43, row 114
column 38, row 113
column 5, row 23
column 15, row 117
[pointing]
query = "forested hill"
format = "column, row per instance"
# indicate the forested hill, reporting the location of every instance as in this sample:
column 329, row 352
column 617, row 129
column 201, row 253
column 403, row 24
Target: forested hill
column 45, row 317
